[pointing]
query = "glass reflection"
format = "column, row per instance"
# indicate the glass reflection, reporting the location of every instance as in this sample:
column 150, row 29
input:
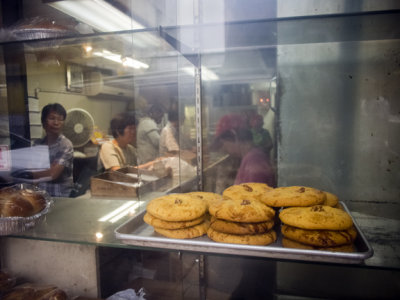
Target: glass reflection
column 129, row 207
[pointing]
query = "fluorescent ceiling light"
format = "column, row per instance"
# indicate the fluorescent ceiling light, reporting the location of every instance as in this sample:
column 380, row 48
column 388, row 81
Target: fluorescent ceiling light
column 104, row 17
column 97, row 14
column 133, row 63
column 109, row 55
column 206, row 74
column 126, row 61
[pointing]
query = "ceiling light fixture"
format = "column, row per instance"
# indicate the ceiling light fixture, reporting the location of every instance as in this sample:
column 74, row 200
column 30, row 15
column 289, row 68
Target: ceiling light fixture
column 88, row 48
column 126, row 61
column 98, row 14
column 104, row 17
column 133, row 63
column 206, row 74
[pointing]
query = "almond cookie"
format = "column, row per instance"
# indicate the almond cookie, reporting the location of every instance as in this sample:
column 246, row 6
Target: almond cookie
column 331, row 200
column 287, row 243
column 261, row 239
column 316, row 217
column 240, row 227
column 155, row 222
column 208, row 197
column 320, row 238
column 294, row 196
column 247, row 191
column 184, row 233
column 237, row 210
column 177, row 207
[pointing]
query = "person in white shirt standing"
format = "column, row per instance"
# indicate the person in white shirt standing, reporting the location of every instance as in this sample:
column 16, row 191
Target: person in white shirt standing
column 148, row 134
column 169, row 141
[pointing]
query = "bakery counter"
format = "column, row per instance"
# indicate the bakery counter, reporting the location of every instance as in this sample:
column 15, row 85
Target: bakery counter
column 62, row 249
column 85, row 220
column 93, row 221
column 78, row 237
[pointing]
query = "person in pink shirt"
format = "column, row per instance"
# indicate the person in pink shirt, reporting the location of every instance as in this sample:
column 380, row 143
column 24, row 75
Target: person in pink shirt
column 255, row 164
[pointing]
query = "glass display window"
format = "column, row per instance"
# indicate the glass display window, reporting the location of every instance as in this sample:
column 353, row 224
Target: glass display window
column 296, row 79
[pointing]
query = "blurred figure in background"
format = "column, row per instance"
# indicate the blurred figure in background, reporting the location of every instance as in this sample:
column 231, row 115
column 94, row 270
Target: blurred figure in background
column 227, row 169
column 148, row 134
column 174, row 144
column 169, row 139
column 172, row 149
column 255, row 163
column 261, row 136
column 245, row 162
column 119, row 152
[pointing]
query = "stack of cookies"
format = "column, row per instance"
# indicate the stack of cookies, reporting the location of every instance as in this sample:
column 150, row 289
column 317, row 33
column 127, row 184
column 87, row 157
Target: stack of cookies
column 241, row 221
column 208, row 197
column 331, row 200
column 318, row 227
column 244, row 214
column 177, row 216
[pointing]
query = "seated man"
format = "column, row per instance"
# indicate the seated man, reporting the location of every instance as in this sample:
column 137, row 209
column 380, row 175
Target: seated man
column 56, row 180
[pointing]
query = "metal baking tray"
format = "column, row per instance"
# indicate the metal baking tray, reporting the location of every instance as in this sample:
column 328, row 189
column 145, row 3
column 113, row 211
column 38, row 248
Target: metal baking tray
column 136, row 232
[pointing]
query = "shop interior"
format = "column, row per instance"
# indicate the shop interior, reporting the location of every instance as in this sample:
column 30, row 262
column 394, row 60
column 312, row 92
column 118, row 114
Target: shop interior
column 322, row 78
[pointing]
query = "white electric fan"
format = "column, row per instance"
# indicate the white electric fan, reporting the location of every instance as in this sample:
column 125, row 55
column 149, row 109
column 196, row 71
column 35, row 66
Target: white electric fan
column 78, row 127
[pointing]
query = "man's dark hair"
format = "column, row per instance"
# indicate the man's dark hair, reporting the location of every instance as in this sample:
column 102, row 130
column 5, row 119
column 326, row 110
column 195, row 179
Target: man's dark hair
column 120, row 122
column 52, row 107
column 173, row 116
column 156, row 108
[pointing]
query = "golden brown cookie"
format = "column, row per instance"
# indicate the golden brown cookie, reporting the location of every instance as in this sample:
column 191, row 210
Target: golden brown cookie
column 185, row 233
column 316, row 217
column 208, row 197
column 155, row 222
column 177, row 207
column 237, row 210
column 240, row 227
column 247, row 191
column 293, row 196
column 331, row 200
column 261, row 239
column 287, row 243
column 339, row 206
column 320, row 238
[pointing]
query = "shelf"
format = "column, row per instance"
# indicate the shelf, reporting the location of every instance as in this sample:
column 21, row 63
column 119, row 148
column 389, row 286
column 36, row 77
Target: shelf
column 76, row 220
